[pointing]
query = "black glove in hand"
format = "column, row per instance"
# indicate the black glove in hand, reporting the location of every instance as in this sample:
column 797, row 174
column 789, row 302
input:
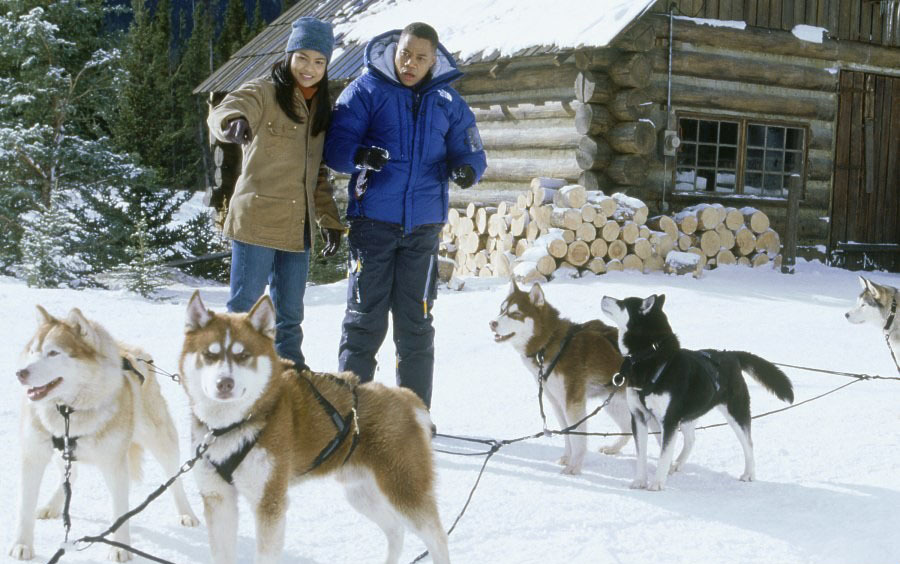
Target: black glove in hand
column 371, row 158
column 332, row 239
column 463, row 176
column 238, row 131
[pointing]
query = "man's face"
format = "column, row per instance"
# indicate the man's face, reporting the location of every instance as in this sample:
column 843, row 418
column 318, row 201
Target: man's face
column 414, row 58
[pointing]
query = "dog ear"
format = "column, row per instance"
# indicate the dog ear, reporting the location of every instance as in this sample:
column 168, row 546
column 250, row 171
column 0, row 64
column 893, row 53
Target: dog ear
column 865, row 284
column 197, row 314
column 660, row 300
column 43, row 317
column 79, row 323
column 513, row 287
column 262, row 316
column 537, row 295
column 647, row 304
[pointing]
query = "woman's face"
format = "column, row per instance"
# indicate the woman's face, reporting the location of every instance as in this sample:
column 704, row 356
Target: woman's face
column 308, row 67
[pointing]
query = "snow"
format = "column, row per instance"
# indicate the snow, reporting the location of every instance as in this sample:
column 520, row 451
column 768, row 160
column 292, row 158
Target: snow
column 809, row 33
column 471, row 26
column 826, row 489
column 736, row 24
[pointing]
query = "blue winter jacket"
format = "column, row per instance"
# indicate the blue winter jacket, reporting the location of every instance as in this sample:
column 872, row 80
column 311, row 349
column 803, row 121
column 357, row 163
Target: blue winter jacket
column 428, row 130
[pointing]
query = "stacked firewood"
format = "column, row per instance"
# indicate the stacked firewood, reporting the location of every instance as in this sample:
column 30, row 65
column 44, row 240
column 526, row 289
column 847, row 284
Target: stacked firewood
column 559, row 229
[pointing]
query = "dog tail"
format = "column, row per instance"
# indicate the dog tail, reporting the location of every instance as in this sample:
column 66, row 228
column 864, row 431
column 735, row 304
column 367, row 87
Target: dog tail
column 766, row 374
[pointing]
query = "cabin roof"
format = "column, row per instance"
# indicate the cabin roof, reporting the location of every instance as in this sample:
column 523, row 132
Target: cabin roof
column 480, row 31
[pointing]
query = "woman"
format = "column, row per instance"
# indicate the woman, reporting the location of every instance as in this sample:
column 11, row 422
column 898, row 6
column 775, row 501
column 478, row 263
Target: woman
column 280, row 120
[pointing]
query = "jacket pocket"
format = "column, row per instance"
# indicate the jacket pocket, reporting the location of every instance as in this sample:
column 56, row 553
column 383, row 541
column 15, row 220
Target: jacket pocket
column 273, row 219
column 282, row 138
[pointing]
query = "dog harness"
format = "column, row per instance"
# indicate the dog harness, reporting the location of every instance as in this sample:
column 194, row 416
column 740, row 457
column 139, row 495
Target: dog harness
column 543, row 374
column 343, row 425
column 887, row 330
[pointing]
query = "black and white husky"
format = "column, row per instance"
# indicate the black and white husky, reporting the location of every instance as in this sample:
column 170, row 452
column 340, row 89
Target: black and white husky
column 675, row 386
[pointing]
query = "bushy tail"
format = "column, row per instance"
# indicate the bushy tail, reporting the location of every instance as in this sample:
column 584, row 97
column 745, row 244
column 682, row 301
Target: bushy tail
column 766, row 374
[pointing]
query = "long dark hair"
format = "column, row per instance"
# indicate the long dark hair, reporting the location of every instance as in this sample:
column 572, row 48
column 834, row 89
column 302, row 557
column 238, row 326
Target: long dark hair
column 284, row 94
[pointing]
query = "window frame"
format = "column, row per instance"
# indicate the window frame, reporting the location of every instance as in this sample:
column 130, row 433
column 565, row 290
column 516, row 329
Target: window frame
column 743, row 122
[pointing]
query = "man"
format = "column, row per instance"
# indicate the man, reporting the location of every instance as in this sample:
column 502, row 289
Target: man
column 402, row 132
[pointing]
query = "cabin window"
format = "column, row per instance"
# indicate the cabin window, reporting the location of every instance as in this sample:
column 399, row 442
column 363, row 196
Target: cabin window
column 738, row 156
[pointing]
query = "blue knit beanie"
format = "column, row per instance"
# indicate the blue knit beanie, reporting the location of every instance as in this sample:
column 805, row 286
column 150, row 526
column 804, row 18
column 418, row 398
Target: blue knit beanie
column 311, row 33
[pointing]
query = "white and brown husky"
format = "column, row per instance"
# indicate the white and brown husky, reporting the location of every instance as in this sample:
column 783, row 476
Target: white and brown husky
column 275, row 426
column 116, row 410
column 576, row 361
column 877, row 304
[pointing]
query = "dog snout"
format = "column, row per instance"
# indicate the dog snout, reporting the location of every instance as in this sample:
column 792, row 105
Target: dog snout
column 225, row 385
column 493, row 325
column 22, row 375
column 847, row 315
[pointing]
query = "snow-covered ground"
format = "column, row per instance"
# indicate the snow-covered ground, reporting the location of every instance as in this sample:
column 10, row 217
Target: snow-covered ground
column 828, row 487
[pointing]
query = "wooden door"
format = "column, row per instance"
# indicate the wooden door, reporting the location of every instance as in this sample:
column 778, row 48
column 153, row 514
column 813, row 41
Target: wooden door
column 865, row 205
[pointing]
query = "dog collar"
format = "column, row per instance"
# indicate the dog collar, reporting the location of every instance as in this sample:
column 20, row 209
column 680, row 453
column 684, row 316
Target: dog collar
column 890, row 319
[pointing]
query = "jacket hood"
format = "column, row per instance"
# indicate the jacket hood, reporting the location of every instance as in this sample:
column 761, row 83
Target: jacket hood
column 380, row 53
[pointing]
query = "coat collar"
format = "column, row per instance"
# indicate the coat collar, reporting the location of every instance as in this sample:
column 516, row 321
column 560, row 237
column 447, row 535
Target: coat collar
column 379, row 59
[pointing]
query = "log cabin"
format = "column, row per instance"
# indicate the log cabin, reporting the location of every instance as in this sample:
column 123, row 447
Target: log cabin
column 737, row 102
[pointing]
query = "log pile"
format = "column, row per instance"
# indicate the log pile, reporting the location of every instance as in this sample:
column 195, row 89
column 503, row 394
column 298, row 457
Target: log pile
column 558, row 229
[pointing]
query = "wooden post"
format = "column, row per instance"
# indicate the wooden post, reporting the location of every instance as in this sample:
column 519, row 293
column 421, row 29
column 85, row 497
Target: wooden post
column 789, row 252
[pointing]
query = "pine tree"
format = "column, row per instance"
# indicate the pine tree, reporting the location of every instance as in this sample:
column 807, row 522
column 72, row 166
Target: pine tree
column 234, row 29
column 57, row 75
column 47, row 262
column 145, row 274
column 193, row 67
column 259, row 23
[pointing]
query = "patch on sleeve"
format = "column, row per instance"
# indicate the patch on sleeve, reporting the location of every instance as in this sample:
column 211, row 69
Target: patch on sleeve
column 473, row 138
column 445, row 94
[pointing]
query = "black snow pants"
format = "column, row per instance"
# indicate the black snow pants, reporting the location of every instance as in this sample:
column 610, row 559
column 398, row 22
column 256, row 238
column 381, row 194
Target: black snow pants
column 396, row 272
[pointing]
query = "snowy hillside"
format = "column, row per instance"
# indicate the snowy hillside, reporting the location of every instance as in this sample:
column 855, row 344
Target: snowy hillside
column 828, row 472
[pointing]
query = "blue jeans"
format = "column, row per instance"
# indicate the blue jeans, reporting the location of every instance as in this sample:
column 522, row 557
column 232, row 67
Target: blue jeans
column 391, row 272
column 252, row 268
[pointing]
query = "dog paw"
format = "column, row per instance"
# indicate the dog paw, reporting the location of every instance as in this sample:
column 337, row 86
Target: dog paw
column 745, row 477
column 611, row 449
column 563, row 461
column 638, row 484
column 118, row 555
column 571, row 470
column 48, row 512
column 656, row 487
column 188, row 521
column 674, row 468
column 21, row 552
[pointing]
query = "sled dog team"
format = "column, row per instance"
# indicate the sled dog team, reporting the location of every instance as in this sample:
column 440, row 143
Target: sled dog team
column 274, row 425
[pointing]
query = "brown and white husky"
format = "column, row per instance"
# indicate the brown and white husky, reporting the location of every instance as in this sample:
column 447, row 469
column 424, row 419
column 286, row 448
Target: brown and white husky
column 584, row 368
column 877, row 305
column 275, row 426
column 117, row 410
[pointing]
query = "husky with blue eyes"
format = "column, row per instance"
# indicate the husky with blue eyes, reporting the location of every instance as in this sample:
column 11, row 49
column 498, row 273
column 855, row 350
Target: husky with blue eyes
column 275, row 426
column 877, row 305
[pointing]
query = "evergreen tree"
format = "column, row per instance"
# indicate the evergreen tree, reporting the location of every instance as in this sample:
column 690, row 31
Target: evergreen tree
column 144, row 274
column 47, row 262
column 56, row 77
column 234, row 30
column 193, row 67
column 259, row 23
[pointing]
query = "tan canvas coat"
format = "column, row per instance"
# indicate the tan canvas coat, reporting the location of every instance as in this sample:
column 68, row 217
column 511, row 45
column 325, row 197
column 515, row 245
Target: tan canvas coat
column 283, row 181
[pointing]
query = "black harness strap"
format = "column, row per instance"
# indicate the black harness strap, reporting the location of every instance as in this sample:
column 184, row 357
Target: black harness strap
column 543, row 373
column 127, row 366
column 343, row 425
column 887, row 331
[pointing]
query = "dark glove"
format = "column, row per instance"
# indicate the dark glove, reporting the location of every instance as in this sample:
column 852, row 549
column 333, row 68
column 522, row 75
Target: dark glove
column 332, row 239
column 371, row 158
column 238, row 131
column 463, row 176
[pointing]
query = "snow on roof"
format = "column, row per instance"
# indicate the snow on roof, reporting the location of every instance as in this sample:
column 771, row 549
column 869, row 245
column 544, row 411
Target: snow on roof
column 468, row 27
column 736, row 24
